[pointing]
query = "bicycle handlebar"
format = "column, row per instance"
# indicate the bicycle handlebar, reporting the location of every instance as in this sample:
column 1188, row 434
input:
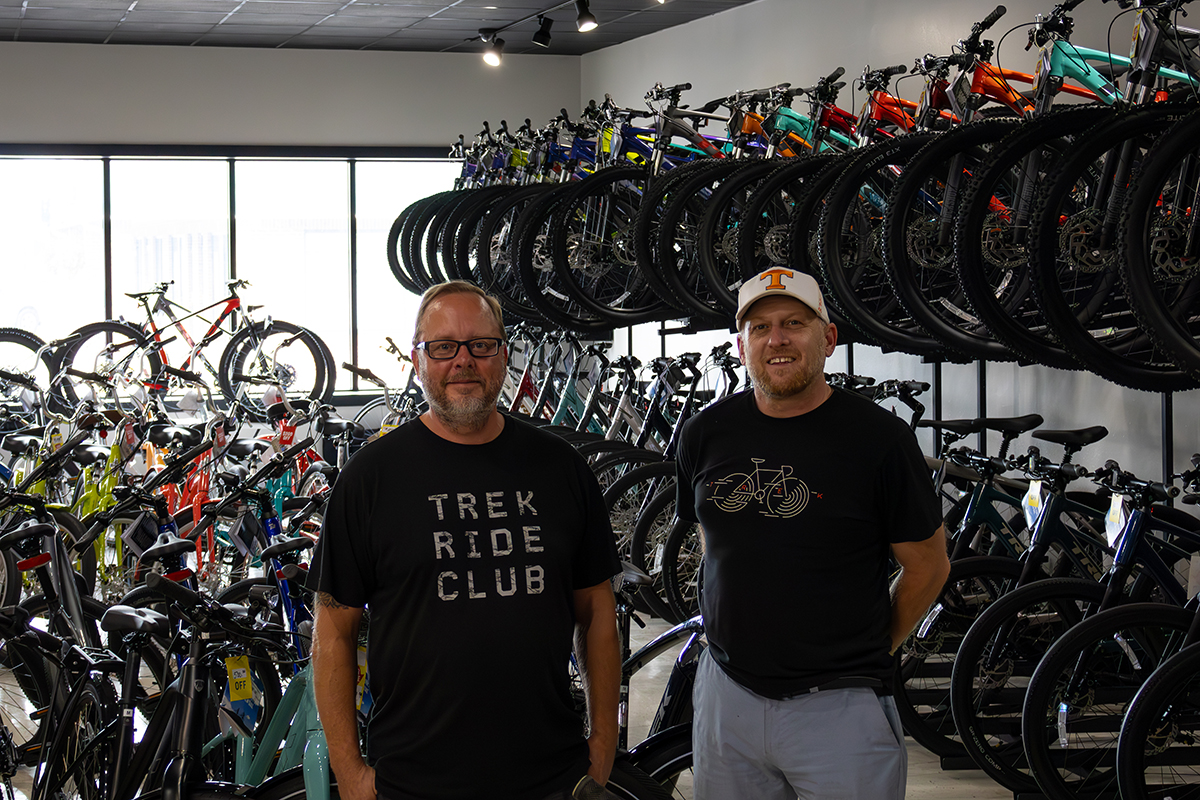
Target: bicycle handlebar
column 92, row 377
column 182, row 374
column 20, row 380
column 833, row 76
column 365, row 374
column 990, row 20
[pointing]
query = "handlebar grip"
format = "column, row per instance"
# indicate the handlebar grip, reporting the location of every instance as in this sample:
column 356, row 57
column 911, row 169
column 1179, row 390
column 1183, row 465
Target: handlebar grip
column 1073, row 471
column 991, row 18
column 361, row 372
column 87, row 376
column 963, row 60
column 183, row 374
column 177, row 465
column 837, row 73
column 898, row 69
column 19, row 380
column 1162, row 492
column 297, row 448
column 680, row 87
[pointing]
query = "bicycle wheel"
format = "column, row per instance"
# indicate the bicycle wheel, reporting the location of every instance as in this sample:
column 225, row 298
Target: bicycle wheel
column 1160, row 265
column 679, row 237
column 991, row 232
column 667, row 758
column 496, row 272
column 1074, row 255
column 647, row 548
column 79, row 761
column 19, row 354
column 918, row 245
column 608, row 469
column 682, row 557
column 395, row 234
column 849, row 249
column 301, row 369
column 1078, row 694
column 921, row 682
column 1158, row 752
column 105, row 348
column 629, row 782
column 993, row 665
column 591, row 238
column 463, row 260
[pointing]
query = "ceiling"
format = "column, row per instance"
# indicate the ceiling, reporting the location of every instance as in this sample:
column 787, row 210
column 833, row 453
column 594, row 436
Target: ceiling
column 415, row 25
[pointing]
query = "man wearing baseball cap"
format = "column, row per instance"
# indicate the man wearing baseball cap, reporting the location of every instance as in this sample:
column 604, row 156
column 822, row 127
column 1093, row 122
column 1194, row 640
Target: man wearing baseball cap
column 803, row 492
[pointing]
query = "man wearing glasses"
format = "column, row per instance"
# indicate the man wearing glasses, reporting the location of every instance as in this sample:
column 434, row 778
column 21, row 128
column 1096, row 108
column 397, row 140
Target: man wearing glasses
column 482, row 547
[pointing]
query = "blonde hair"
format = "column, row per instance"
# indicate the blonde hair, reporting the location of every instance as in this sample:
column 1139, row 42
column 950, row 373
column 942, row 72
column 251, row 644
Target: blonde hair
column 439, row 290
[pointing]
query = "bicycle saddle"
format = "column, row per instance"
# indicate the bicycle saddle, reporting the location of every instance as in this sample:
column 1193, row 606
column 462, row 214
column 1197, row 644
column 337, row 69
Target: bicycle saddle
column 127, row 619
column 277, row 411
column 26, row 530
column 164, row 434
column 331, row 425
column 87, row 454
column 1074, row 438
column 20, row 443
column 1012, row 424
column 240, row 448
column 287, row 546
column 166, row 545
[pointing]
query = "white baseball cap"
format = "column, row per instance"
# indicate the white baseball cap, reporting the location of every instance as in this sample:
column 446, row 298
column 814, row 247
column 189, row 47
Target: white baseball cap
column 783, row 281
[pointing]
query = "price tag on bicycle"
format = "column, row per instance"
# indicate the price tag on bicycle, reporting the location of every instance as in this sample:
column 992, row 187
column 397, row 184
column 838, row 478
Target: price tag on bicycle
column 287, row 434
column 1033, row 503
column 56, row 438
column 1114, row 520
column 238, row 669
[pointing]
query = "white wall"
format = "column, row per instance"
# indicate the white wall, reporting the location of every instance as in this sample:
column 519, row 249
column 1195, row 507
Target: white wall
column 769, row 41
column 126, row 94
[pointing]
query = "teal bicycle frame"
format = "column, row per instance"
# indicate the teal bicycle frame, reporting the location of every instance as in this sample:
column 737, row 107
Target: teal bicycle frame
column 294, row 733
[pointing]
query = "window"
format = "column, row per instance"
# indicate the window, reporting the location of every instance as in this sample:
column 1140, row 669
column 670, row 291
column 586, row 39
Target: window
column 52, row 226
column 385, row 308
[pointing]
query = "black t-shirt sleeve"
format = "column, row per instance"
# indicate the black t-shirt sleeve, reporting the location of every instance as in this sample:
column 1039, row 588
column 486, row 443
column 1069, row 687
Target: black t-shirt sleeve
column 910, row 505
column 685, row 492
column 341, row 567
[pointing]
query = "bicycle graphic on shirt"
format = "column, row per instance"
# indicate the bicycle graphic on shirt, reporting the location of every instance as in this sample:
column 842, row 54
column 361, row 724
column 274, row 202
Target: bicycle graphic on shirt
column 776, row 490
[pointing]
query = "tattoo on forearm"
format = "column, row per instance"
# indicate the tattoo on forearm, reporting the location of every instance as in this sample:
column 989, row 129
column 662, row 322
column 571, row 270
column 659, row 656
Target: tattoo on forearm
column 325, row 600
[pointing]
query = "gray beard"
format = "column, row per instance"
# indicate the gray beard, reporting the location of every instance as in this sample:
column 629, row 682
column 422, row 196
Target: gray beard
column 467, row 416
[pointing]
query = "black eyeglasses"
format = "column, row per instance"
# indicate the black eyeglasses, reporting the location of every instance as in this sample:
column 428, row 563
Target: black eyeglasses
column 445, row 349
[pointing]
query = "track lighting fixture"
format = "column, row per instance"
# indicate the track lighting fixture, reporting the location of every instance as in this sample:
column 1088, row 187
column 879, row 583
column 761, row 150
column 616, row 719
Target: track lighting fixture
column 542, row 37
column 493, row 52
column 495, row 46
column 586, row 21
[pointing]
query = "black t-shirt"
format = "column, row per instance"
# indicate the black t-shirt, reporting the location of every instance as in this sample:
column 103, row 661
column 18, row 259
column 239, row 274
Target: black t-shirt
column 467, row 557
column 798, row 515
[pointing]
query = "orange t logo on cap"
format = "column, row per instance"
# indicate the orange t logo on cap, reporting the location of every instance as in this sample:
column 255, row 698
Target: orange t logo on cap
column 776, row 276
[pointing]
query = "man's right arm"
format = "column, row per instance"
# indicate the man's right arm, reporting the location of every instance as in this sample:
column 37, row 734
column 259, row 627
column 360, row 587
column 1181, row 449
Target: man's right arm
column 335, row 679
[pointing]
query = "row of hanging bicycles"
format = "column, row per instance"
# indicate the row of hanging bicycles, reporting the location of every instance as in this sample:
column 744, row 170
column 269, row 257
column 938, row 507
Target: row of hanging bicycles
column 1043, row 217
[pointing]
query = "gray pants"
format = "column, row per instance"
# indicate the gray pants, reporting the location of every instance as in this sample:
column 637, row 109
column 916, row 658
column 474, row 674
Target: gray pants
column 842, row 744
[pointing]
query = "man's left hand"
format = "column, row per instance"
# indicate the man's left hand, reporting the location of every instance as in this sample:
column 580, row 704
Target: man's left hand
column 602, row 755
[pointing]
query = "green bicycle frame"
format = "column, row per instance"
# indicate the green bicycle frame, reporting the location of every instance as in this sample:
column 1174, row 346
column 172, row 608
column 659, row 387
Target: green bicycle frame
column 294, row 733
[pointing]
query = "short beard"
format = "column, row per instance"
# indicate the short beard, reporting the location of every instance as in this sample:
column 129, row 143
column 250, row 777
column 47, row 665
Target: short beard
column 779, row 391
column 466, row 414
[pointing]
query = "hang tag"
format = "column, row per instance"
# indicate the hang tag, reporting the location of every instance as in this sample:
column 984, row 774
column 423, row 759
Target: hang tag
column 56, row 438
column 362, row 693
column 287, row 434
column 219, row 433
column 238, row 669
column 1114, row 520
column 1032, row 503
